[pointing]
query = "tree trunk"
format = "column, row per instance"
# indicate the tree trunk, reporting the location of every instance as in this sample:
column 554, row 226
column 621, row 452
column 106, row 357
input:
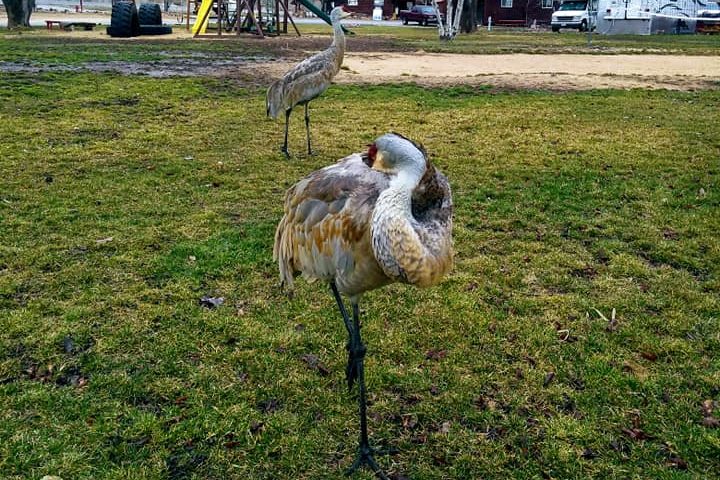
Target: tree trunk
column 469, row 16
column 18, row 12
column 449, row 29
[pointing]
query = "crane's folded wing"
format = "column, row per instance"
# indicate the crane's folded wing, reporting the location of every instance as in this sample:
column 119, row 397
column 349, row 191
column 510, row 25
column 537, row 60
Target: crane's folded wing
column 326, row 226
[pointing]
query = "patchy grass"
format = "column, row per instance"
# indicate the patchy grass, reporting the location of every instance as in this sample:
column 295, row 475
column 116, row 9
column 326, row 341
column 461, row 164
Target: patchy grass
column 40, row 46
column 126, row 199
column 48, row 47
column 509, row 40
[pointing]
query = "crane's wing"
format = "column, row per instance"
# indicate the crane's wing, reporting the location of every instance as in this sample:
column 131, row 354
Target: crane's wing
column 432, row 198
column 326, row 226
column 302, row 83
column 432, row 209
column 310, row 66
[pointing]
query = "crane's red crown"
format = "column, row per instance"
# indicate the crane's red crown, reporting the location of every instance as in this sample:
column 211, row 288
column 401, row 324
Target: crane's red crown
column 372, row 152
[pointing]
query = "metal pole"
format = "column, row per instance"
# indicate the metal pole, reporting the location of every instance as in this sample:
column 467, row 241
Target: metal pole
column 219, row 17
column 589, row 22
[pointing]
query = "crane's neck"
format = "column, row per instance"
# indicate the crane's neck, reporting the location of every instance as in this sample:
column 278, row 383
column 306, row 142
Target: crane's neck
column 396, row 239
column 338, row 43
column 396, row 201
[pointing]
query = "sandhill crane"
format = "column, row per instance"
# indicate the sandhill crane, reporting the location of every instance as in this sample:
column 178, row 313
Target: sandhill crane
column 369, row 220
column 308, row 79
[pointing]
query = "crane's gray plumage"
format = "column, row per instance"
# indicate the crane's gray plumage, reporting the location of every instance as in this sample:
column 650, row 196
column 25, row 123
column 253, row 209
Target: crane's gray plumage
column 308, row 79
column 369, row 220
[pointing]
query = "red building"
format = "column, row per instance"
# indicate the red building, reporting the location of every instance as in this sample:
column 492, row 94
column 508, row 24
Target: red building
column 515, row 12
column 503, row 12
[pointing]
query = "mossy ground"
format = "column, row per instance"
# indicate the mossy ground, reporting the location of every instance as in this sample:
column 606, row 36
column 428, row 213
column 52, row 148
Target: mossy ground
column 125, row 199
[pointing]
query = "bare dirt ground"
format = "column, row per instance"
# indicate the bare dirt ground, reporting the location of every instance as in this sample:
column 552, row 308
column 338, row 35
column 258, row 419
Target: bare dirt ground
column 378, row 60
column 566, row 71
column 375, row 61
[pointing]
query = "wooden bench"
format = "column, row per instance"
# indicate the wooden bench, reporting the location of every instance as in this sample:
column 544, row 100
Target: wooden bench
column 49, row 24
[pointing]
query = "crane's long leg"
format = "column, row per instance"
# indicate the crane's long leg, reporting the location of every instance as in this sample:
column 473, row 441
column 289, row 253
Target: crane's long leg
column 341, row 306
column 357, row 352
column 287, row 124
column 351, row 370
column 307, row 128
column 356, row 370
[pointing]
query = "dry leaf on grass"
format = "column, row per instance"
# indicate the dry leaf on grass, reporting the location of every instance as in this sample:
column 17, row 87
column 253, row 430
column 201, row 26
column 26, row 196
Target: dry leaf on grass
column 711, row 422
column 314, row 362
column 636, row 434
column 435, row 354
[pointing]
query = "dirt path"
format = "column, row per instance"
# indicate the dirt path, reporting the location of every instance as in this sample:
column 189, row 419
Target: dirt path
column 562, row 72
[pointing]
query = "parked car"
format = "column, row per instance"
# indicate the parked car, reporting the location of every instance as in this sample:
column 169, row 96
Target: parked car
column 708, row 19
column 423, row 14
column 574, row 14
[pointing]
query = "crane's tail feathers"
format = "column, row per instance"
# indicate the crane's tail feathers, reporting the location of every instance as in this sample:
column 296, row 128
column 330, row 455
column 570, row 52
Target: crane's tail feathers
column 282, row 253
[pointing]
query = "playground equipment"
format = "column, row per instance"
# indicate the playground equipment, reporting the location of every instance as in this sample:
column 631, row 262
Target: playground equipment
column 127, row 20
column 260, row 17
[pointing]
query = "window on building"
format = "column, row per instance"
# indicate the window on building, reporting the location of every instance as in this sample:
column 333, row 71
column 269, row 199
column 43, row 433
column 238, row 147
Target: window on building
column 506, row 3
column 547, row 3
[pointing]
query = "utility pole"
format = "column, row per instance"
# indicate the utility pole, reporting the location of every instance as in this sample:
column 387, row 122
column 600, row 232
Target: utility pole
column 591, row 4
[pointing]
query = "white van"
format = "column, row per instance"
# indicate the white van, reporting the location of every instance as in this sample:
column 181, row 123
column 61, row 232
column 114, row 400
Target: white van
column 575, row 14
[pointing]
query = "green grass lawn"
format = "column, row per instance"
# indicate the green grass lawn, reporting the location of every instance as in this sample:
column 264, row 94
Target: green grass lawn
column 125, row 199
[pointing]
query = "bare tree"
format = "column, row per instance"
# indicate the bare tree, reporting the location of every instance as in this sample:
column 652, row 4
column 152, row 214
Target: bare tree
column 448, row 28
column 18, row 12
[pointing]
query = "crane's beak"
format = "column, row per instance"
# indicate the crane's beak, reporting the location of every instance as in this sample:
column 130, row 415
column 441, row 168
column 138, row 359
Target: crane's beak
column 346, row 13
column 376, row 161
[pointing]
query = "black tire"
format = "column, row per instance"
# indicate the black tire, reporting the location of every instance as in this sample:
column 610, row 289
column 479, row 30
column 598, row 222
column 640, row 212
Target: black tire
column 405, row 21
column 114, row 32
column 423, row 23
column 555, row 29
column 150, row 14
column 124, row 20
column 583, row 26
column 155, row 29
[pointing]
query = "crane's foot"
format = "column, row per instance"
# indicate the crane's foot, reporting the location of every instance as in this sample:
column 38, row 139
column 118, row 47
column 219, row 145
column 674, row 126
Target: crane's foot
column 365, row 457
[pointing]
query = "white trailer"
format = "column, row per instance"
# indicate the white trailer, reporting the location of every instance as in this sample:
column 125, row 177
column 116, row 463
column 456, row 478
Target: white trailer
column 648, row 16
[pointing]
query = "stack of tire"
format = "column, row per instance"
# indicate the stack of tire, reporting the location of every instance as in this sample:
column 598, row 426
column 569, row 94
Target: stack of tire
column 151, row 20
column 127, row 21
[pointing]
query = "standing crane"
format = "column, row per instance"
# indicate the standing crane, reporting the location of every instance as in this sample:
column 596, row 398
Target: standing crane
column 369, row 220
column 308, row 79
